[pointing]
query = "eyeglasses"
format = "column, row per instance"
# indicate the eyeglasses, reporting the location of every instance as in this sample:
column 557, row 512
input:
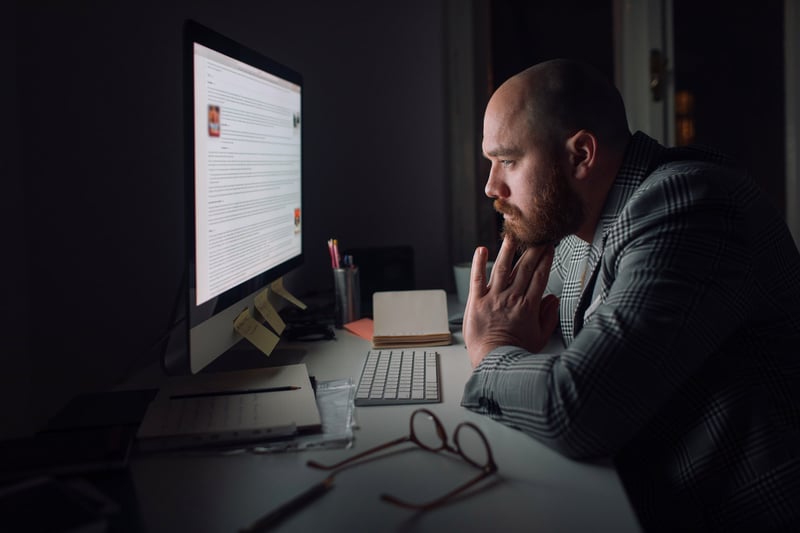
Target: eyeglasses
column 427, row 432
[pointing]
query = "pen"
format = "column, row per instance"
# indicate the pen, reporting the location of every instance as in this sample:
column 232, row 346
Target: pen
column 231, row 392
column 274, row 517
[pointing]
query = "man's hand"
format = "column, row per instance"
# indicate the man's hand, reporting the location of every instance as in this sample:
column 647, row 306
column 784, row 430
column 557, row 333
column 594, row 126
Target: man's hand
column 510, row 310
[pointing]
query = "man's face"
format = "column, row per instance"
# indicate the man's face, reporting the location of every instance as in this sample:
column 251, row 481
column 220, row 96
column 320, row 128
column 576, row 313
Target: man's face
column 529, row 184
column 553, row 212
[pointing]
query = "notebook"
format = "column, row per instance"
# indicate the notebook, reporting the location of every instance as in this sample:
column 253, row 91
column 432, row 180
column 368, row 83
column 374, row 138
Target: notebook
column 408, row 319
column 229, row 408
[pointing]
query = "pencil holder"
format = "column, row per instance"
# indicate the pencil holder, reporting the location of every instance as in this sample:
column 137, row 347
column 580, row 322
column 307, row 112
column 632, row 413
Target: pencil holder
column 347, row 295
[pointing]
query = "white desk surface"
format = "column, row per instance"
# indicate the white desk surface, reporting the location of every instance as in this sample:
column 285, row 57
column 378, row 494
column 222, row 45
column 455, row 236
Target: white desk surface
column 535, row 489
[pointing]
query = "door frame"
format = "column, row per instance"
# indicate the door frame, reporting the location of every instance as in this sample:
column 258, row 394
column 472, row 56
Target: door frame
column 641, row 27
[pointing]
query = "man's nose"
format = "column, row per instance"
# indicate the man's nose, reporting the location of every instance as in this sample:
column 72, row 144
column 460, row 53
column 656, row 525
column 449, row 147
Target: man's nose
column 495, row 186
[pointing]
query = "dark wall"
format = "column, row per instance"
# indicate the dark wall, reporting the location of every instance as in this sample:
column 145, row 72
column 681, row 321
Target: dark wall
column 14, row 364
column 101, row 163
column 525, row 33
column 736, row 75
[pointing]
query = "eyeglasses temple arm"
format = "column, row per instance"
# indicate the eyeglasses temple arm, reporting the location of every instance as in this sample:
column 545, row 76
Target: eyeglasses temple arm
column 442, row 499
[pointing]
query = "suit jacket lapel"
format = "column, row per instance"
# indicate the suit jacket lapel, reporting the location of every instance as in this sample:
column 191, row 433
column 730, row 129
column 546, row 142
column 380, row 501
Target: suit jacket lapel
column 571, row 291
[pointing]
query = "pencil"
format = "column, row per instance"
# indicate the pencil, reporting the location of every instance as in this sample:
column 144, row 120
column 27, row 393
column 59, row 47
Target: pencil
column 231, row 392
column 274, row 517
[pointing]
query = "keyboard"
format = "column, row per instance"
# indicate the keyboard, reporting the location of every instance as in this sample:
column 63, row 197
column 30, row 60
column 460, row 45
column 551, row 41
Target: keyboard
column 394, row 377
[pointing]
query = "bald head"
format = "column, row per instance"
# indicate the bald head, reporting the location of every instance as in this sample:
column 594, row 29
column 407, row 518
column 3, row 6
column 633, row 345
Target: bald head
column 555, row 135
column 560, row 97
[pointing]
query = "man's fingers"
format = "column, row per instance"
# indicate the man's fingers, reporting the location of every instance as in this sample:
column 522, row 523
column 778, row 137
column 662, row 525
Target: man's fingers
column 534, row 261
column 528, row 276
column 541, row 272
column 477, row 276
column 502, row 270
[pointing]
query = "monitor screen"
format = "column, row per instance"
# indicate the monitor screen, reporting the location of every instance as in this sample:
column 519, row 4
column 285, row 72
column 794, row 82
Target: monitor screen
column 244, row 183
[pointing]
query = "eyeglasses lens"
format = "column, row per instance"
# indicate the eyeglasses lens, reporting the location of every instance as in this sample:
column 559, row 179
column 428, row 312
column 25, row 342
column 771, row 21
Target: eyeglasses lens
column 428, row 431
column 472, row 445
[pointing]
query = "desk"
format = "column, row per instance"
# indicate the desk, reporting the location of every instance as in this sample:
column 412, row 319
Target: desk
column 535, row 488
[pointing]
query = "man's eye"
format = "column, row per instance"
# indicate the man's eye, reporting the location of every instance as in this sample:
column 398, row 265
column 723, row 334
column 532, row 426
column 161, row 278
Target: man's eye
column 506, row 162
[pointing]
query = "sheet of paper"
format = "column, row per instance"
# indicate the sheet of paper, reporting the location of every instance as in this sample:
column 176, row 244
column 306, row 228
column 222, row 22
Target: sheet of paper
column 362, row 327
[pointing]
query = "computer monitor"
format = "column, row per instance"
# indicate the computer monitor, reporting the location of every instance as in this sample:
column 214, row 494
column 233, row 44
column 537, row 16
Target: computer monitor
column 243, row 122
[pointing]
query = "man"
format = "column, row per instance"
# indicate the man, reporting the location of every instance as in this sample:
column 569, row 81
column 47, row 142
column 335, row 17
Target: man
column 676, row 289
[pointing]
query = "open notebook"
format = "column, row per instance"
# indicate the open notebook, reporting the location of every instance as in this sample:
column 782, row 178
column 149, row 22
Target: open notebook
column 407, row 319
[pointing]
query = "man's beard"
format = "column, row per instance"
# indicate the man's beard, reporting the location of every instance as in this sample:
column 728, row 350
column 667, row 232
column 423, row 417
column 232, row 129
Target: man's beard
column 558, row 213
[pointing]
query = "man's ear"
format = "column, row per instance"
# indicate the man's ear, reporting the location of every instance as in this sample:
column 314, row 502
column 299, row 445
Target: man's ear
column 582, row 151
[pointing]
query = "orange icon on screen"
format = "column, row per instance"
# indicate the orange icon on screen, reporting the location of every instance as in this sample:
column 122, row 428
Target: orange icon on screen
column 213, row 120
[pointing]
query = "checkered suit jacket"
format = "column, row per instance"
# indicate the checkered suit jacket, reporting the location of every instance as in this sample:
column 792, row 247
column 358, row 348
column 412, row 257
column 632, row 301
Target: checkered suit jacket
column 682, row 349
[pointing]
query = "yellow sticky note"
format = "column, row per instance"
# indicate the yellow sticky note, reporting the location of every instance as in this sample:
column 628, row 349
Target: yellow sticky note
column 278, row 287
column 268, row 312
column 249, row 328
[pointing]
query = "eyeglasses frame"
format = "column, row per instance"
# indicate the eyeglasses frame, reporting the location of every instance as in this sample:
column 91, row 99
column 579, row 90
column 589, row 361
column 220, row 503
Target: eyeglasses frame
column 486, row 469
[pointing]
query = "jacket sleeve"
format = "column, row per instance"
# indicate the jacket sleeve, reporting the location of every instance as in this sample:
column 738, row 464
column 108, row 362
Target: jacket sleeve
column 674, row 286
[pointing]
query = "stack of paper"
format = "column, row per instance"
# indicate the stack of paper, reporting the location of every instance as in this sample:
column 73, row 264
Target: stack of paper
column 230, row 407
column 410, row 318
